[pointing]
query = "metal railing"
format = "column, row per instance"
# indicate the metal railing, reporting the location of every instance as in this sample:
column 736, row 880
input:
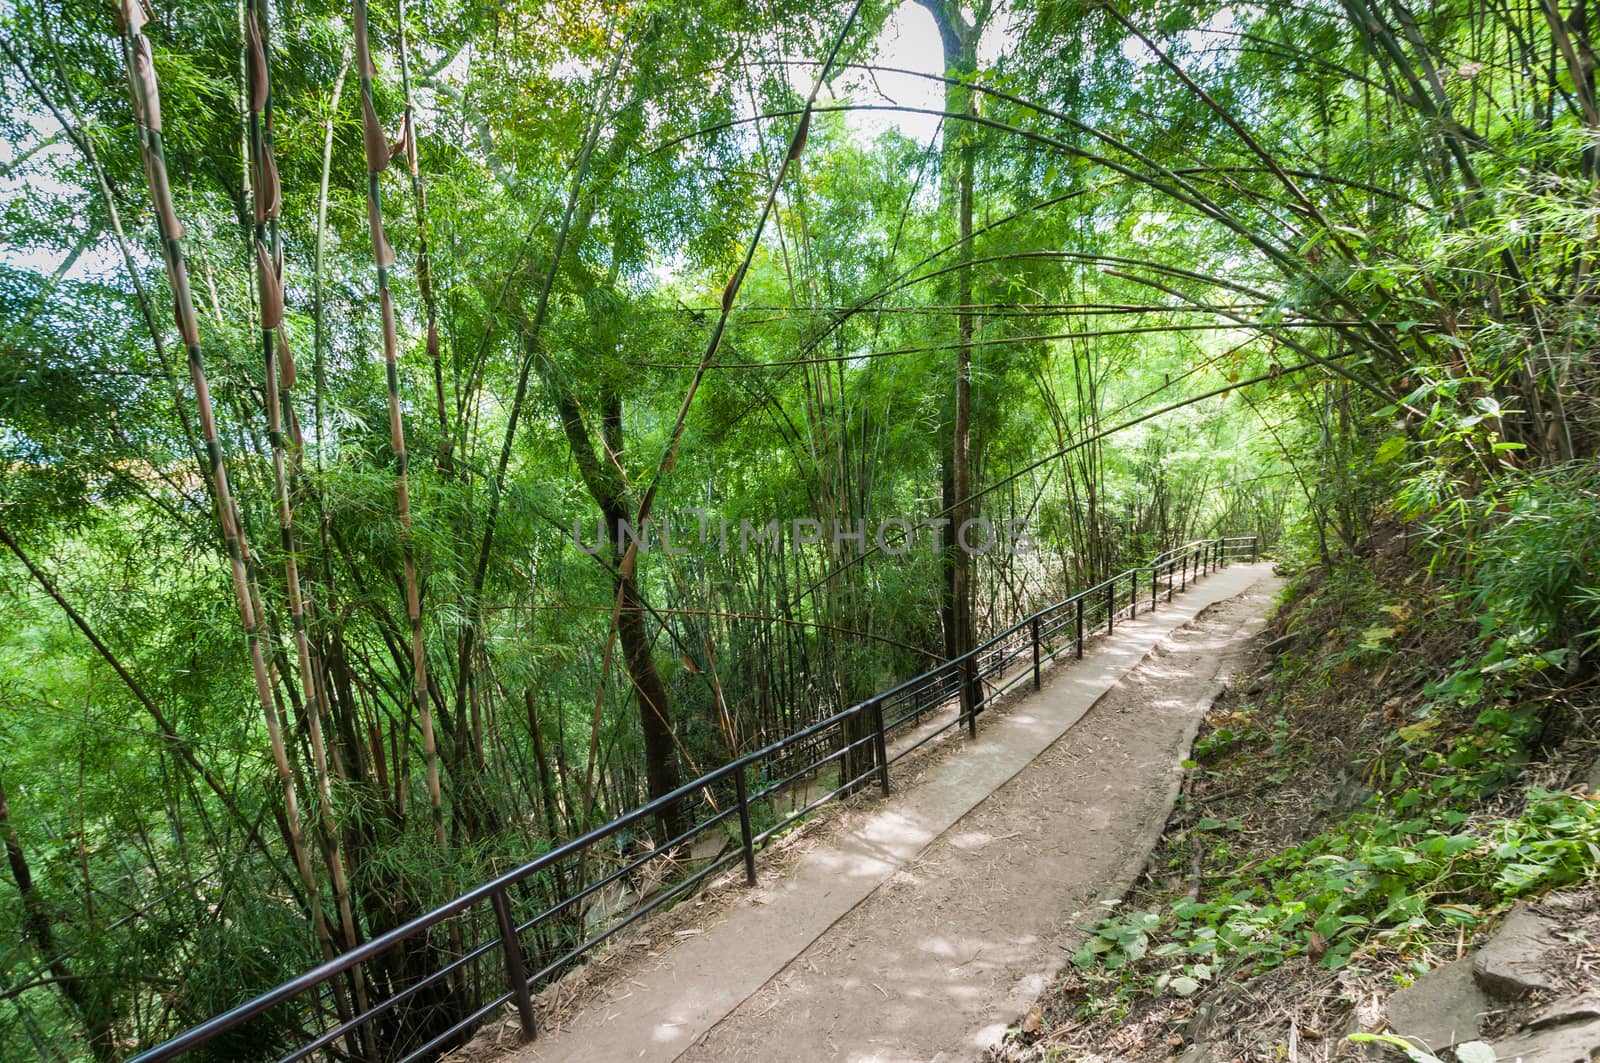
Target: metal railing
column 424, row 983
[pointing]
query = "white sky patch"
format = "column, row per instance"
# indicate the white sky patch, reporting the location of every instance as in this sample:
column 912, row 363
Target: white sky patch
column 909, row 41
column 38, row 176
column 1218, row 32
column 1150, row 226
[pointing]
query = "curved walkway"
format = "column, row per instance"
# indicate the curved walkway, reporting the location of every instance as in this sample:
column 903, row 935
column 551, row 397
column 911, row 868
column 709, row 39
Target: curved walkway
column 930, row 920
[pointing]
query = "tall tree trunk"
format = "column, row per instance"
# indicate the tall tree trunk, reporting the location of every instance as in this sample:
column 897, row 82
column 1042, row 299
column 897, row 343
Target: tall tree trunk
column 278, row 378
column 378, row 154
column 959, row 37
column 145, row 93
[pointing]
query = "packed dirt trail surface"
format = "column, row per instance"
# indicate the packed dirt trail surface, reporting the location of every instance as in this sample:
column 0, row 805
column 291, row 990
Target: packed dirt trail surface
column 927, row 922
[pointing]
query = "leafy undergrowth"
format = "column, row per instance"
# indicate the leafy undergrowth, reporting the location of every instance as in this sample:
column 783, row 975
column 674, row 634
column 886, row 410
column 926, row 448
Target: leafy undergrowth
column 1386, row 785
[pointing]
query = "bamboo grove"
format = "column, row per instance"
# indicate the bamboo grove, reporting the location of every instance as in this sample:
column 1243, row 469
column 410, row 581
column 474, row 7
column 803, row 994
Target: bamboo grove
column 349, row 347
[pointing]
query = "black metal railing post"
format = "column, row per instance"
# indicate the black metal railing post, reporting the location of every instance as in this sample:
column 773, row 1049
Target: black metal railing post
column 514, row 968
column 1133, row 594
column 1154, row 568
column 1111, row 606
column 1170, row 563
column 969, row 704
column 880, row 748
column 747, row 837
column 1253, row 542
column 1079, row 639
column 1033, row 630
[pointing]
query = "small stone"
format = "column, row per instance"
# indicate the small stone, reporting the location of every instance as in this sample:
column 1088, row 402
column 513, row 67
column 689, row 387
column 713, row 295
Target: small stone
column 1346, row 1049
column 1565, row 901
column 1515, row 960
column 1201, row 1052
column 1440, row 1009
column 1591, row 778
column 1570, row 1043
column 1574, row 1008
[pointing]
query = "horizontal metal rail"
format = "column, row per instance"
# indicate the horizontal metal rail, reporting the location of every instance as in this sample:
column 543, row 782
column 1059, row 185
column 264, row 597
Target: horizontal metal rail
column 976, row 677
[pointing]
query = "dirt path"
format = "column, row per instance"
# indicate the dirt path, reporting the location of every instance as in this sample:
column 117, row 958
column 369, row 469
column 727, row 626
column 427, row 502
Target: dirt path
column 930, row 920
column 957, row 944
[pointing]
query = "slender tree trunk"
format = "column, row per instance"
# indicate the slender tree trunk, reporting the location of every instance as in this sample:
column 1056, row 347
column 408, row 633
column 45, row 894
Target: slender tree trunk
column 378, row 153
column 959, row 38
column 147, row 110
column 279, row 375
column 961, row 584
column 603, row 478
column 419, row 193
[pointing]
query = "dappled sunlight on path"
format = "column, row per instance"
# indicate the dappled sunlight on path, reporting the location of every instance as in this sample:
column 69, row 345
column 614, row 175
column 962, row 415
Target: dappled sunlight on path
column 913, row 928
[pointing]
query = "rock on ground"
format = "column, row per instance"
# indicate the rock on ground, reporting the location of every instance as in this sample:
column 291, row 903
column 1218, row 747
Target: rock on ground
column 1521, row 959
column 1513, row 962
column 1568, row 1043
column 1441, row 1009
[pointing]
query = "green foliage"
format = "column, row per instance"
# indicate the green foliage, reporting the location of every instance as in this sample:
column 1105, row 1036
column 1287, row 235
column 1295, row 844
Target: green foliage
column 1376, row 878
column 1411, row 295
column 1535, row 573
column 1424, row 857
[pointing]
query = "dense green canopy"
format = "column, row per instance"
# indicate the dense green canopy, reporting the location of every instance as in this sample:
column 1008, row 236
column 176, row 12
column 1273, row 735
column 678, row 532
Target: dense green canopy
column 328, row 333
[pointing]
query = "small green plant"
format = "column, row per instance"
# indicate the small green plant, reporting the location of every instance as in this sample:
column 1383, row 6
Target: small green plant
column 1377, row 877
column 1221, row 740
column 1536, row 572
column 1467, row 1052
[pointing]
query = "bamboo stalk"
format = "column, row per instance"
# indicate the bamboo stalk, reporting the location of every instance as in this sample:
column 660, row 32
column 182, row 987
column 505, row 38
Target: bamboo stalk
column 419, row 194
column 279, row 377
column 378, row 153
column 145, row 93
